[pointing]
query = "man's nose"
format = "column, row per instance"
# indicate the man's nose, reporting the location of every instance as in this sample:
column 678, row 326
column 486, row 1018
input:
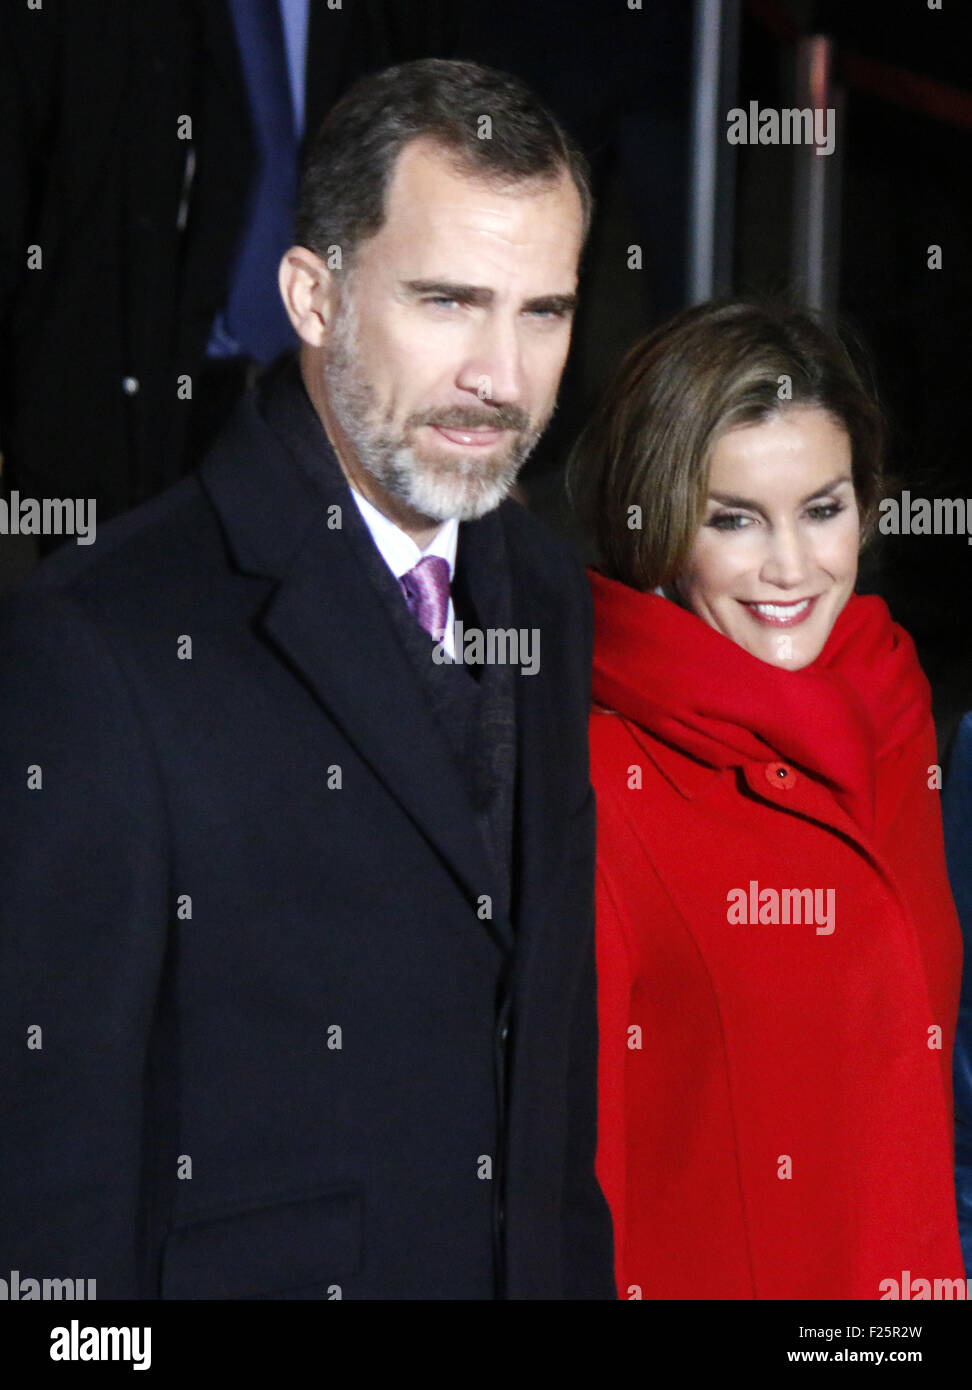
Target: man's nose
column 493, row 368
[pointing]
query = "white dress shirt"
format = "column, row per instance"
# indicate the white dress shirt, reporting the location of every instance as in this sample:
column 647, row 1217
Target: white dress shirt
column 401, row 554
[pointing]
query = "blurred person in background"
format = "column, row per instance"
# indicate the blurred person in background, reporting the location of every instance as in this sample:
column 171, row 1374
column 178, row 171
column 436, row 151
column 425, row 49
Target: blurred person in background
column 150, row 155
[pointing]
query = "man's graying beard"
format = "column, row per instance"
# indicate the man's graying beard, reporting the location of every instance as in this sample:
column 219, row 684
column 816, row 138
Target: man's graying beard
column 462, row 487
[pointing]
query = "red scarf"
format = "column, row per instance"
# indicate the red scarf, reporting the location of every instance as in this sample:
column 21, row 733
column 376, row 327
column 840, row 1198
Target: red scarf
column 682, row 680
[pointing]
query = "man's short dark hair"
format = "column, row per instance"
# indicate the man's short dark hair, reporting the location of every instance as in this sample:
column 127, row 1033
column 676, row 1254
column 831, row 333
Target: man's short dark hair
column 349, row 163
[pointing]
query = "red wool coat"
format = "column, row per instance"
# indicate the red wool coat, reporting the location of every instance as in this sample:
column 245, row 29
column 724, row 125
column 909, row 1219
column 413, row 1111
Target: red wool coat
column 775, row 1068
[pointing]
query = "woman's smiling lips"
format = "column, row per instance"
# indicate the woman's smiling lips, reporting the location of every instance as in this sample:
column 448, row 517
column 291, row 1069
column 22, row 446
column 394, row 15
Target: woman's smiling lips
column 477, row 438
column 781, row 614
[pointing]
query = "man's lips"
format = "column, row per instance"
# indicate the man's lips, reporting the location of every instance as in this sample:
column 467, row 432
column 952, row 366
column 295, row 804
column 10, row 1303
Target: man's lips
column 781, row 614
column 475, row 438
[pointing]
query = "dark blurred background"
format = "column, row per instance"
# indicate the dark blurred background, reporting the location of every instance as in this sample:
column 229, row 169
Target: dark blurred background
column 903, row 74
column 141, row 231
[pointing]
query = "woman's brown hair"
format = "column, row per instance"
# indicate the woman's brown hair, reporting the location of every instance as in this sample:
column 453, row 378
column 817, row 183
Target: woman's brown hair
column 641, row 464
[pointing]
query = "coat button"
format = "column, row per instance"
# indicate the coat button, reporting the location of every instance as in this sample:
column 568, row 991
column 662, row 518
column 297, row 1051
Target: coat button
column 780, row 775
column 130, row 385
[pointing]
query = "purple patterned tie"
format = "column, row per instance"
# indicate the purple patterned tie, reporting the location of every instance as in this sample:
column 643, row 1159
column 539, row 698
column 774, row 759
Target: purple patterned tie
column 426, row 589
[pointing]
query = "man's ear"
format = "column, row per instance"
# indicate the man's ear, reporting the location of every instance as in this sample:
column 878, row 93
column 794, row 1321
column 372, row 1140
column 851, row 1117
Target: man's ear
column 308, row 292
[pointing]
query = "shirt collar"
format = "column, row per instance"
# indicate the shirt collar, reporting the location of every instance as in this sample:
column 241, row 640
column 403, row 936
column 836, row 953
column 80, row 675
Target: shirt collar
column 398, row 549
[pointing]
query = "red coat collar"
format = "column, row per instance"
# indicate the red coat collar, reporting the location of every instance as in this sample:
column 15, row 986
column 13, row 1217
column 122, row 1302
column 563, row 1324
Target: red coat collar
column 713, row 705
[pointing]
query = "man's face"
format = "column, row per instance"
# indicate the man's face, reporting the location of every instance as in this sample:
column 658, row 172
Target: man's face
column 442, row 366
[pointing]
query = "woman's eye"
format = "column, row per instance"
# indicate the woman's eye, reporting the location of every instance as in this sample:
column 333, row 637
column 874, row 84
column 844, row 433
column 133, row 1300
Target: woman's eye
column 824, row 511
column 728, row 521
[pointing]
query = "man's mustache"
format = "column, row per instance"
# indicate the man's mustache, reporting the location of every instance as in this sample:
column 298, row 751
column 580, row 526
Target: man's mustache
column 500, row 417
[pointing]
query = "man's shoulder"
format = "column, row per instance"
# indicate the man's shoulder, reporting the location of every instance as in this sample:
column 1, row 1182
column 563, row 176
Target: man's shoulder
column 171, row 541
column 535, row 535
column 533, row 546
column 161, row 566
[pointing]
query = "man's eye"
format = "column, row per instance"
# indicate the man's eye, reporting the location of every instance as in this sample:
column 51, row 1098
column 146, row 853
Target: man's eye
column 439, row 299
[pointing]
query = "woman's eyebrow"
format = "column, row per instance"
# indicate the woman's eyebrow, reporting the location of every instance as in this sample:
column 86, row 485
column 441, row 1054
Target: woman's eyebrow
column 728, row 499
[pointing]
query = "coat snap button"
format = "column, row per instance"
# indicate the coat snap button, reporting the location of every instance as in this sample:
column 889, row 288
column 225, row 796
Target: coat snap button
column 780, row 775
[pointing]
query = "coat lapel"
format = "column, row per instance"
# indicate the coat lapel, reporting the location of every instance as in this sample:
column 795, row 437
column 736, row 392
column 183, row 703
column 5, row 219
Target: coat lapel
column 274, row 480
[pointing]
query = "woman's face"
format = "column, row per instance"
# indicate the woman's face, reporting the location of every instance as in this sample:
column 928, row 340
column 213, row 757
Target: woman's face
column 775, row 558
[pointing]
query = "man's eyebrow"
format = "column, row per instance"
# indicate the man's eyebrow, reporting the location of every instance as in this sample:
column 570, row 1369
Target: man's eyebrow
column 552, row 304
column 480, row 297
column 446, row 289
column 731, row 500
